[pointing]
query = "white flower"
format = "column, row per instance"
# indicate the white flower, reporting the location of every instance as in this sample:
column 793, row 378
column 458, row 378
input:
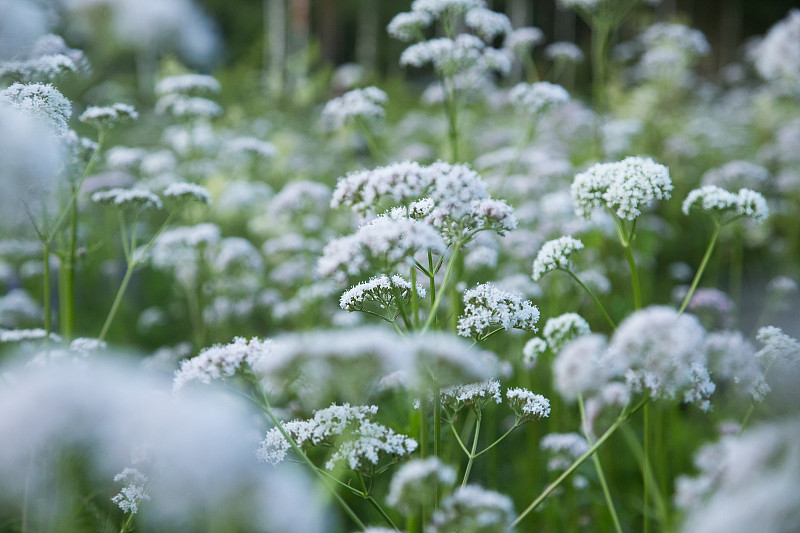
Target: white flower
column 624, row 187
column 448, row 56
column 128, row 198
column 187, row 192
column 731, row 357
column 473, row 509
column 777, row 346
column 218, row 362
column 475, row 395
column 487, row 23
column 383, row 290
column 415, row 483
column 486, row 306
column 439, row 7
column 662, row 352
column 364, row 104
column 563, row 51
column 532, row 350
column 189, row 84
column 106, row 117
column 564, row 447
column 40, row 101
column 776, row 56
column 251, row 146
column 182, row 106
column 408, row 26
column 356, row 439
column 737, row 174
column 527, row 405
column 719, row 201
column 133, row 493
column 537, row 97
column 554, row 255
column 577, row 369
column 391, row 242
column 558, row 331
column 521, row 40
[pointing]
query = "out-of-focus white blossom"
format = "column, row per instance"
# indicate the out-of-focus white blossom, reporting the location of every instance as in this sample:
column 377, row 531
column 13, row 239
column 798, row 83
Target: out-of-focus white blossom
column 537, row 97
column 106, row 117
column 40, row 101
column 359, row 104
column 187, row 192
column 415, row 484
column 560, row 330
column 713, row 199
column 220, row 361
column 776, row 56
column 487, row 24
column 133, row 493
column 473, row 509
column 563, row 51
column 128, row 198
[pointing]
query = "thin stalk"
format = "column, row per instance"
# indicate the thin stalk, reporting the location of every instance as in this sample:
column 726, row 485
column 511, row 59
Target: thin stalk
column 437, row 302
column 117, row 300
column 365, row 494
column 655, row 495
column 126, row 525
column 600, row 34
column 702, row 268
column 598, row 467
column 637, row 289
column 414, row 299
column 646, row 469
column 471, row 455
column 497, row 441
column 451, row 111
column 46, row 290
column 594, row 297
column 372, row 143
column 578, row 462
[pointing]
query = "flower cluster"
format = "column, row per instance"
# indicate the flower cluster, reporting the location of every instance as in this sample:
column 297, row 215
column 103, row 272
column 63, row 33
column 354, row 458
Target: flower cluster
column 471, row 509
column 527, row 406
column 486, row 305
column 560, row 330
column 537, row 97
column 358, row 104
column 713, row 199
column 475, row 395
column 106, row 117
column 356, row 438
column 218, row 362
column 133, row 493
column 128, row 198
column 387, row 292
column 624, row 187
column 415, row 484
column 40, row 101
column 451, row 198
column 554, row 255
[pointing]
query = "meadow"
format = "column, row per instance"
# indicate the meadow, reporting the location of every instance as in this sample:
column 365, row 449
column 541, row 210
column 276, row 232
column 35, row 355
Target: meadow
column 525, row 286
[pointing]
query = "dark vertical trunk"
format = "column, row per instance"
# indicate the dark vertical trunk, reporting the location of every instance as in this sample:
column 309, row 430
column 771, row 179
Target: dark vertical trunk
column 368, row 36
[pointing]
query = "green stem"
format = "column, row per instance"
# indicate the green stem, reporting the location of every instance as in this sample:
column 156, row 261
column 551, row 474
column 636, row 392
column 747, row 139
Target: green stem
column 451, row 110
column 438, row 300
column 578, row 462
column 117, row 300
column 471, row 455
column 497, row 441
column 600, row 34
column 67, row 274
column 126, row 525
column 594, row 297
column 414, row 299
column 637, row 290
column 646, row 469
column 372, row 143
column 702, row 268
column 655, row 493
column 598, row 467
column 46, row 290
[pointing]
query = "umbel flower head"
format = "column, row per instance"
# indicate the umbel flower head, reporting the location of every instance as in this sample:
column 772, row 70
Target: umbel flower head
column 364, row 104
column 106, row 117
column 486, row 305
column 356, row 438
column 662, row 352
column 451, row 198
column 719, row 202
column 383, row 290
column 560, row 330
column 624, row 187
column 128, row 198
column 473, row 509
column 414, row 485
column 554, row 255
column 41, row 101
column 537, row 97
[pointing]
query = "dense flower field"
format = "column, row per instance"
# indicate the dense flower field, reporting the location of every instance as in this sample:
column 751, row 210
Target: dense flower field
column 494, row 303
